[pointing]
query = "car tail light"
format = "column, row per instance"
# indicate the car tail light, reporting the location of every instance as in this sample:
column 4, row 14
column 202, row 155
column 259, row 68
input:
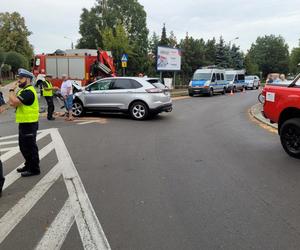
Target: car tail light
column 154, row 90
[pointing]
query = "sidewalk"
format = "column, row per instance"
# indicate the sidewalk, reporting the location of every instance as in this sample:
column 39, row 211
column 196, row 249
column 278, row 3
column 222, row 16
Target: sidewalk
column 179, row 92
column 255, row 111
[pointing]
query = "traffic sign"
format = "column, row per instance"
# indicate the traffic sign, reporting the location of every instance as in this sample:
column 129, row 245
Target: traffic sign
column 124, row 58
column 124, row 64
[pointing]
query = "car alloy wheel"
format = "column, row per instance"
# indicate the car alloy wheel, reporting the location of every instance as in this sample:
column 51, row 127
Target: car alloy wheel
column 77, row 109
column 139, row 111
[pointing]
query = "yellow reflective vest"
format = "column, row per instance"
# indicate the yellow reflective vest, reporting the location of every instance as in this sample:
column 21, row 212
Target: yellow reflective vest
column 48, row 92
column 25, row 113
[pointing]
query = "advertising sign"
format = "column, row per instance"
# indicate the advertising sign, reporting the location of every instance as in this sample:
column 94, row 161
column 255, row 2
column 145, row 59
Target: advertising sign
column 168, row 59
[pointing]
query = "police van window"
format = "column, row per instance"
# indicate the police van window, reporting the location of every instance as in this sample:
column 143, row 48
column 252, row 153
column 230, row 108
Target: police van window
column 241, row 77
column 218, row 77
column 213, row 79
column 236, row 77
column 229, row 77
column 222, row 76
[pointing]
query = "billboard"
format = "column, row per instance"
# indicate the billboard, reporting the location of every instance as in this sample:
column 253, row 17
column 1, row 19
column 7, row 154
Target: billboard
column 168, row 59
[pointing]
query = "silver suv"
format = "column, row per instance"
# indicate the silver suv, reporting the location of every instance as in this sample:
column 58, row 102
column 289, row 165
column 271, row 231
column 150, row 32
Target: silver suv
column 140, row 97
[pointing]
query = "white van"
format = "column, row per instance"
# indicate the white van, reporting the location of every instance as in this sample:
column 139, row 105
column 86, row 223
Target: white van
column 235, row 80
column 208, row 81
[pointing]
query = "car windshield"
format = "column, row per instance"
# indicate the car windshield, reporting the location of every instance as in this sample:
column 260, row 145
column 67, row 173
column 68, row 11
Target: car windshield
column 249, row 78
column 229, row 77
column 201, row 76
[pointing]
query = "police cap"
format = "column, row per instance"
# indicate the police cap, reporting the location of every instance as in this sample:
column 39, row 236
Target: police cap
column 25, row 73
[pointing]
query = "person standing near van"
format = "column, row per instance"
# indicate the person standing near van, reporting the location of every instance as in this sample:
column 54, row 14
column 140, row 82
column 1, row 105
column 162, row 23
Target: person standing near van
column 67, row 93
column 47, row 92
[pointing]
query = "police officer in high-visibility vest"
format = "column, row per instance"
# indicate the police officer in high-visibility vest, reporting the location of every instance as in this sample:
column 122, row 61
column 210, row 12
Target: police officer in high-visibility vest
column 27, row 116
column 48, row 94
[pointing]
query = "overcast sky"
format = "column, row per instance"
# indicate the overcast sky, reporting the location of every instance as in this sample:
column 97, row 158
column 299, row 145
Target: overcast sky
column 51, row 21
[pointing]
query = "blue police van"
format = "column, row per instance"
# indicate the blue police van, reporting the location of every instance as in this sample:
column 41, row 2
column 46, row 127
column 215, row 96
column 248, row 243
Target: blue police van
column 207, row 81
column 235, row 80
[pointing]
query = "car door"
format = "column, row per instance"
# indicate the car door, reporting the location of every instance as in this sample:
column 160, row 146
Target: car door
column 96, row 94
column 122, row 92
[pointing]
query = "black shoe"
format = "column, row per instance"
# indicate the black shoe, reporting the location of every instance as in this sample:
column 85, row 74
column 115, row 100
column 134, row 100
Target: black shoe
column 51, row 119
column 21, row 170
column 29, row 173
column 0, row 193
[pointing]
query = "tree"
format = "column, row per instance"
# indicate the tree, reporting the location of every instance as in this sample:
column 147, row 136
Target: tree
column 14, row 34
column 89, row 30
column 210, row 52
column 236, row 57
column 108, row 14
column 193, row 56
column 172, row 40
column 251, row 67
column 222, row 55
column 152, row 54
column 164, row 41
column 271, row 54
column 16, row 61
column 295, row 60
column 117, row 41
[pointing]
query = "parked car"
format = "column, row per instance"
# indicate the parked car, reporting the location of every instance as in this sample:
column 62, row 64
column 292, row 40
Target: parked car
column 252, row 82
column 208, row 81
column 235, row 80
column 282, row 106
column 139, row 96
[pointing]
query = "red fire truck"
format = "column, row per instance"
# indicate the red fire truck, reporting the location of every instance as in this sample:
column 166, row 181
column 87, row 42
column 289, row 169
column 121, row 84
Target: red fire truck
column 80, row 65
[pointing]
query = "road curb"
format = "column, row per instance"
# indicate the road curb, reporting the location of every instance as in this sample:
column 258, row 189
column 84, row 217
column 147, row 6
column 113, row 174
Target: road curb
column 179, row 93
column 255, row 112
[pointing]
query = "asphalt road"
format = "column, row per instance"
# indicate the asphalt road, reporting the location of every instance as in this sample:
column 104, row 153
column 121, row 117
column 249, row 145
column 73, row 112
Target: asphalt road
column 202, row 177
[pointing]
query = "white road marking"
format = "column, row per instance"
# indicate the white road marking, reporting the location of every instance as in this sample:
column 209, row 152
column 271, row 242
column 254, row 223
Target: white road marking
column 8, row 149
column 78, row 206
column 87, row 122
column 8, row 137
column 14, row 175
column 17, row 213
column 58, row 230
column 8, row 142
column 13, row 152
column 90, row 229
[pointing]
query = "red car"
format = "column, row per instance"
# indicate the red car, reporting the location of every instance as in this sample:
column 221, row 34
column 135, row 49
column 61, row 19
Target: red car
column 282, row 106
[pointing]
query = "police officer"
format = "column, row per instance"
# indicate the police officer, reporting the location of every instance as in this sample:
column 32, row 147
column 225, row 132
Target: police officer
column 48, row 94
column 27, row 115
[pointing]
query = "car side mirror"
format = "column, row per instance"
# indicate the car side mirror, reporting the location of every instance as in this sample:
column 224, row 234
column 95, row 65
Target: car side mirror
column 88, row 89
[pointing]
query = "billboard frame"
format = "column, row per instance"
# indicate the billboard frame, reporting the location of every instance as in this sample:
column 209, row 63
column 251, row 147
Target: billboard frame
column 168, row 70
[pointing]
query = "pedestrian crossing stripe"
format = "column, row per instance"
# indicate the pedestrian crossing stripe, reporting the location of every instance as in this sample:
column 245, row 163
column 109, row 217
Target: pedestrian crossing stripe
column 77, row 207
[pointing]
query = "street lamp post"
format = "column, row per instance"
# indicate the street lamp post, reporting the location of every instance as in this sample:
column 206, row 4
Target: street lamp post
column 233, row 40
column 72, row 47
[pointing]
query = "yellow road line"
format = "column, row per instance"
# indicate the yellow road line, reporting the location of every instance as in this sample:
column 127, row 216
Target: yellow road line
column 261, row 124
